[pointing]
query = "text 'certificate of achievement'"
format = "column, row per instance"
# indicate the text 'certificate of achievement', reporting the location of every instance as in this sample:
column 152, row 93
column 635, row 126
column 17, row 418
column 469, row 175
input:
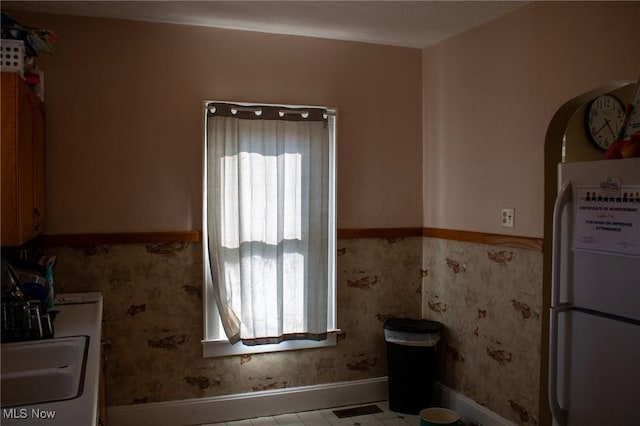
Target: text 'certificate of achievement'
column 607, row 222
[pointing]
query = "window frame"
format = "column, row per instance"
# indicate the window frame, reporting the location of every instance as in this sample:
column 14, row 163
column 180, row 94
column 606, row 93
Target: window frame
column 215, row 342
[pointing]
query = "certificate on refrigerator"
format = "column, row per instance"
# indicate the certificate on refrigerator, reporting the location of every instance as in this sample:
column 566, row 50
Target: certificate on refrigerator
column 607, row 221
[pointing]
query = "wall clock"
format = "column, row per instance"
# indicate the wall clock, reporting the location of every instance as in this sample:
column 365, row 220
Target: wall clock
column 603, row 119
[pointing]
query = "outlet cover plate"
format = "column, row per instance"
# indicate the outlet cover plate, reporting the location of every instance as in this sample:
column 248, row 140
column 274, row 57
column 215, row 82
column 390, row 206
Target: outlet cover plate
column 507, row 217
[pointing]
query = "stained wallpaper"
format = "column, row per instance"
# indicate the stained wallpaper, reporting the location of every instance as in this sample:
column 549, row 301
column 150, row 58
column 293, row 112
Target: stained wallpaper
column 153, row 319
column 487, row 298
column 489, row 301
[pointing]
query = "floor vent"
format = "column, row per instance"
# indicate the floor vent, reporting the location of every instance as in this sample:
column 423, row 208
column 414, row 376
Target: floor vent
column 357, row 411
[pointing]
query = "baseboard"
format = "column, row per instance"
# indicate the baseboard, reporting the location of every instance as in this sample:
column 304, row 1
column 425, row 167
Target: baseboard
column 280, row 401
column 249, row 405
column 468, row 410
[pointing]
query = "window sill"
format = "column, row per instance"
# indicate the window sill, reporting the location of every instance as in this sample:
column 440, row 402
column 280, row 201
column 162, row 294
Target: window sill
column 222, row 347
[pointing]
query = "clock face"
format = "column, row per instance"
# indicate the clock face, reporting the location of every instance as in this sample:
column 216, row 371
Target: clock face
column 603, row 119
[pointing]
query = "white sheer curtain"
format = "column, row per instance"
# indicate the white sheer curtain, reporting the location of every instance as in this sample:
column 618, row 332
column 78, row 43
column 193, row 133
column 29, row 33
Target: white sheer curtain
column 268, row 221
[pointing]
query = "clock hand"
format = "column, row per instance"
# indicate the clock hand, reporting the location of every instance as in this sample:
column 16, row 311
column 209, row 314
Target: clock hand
column 601, row 127
column 610, row 129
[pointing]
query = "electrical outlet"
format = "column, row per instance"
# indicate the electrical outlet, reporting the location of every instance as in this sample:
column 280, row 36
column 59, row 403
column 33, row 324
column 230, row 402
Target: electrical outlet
column 508, row 217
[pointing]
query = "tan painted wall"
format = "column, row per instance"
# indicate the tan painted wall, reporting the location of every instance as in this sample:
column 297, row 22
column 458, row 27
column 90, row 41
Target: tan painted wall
column 489, row 95
column 124, row 120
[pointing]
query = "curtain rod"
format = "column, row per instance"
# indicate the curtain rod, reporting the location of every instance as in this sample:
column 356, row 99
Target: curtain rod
column 245, row 111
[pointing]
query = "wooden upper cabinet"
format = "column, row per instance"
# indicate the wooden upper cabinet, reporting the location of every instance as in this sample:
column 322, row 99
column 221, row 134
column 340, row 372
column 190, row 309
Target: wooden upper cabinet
column 23, row 162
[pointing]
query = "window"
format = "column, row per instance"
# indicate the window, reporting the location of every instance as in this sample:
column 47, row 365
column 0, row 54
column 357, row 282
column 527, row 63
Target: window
column 268, row 228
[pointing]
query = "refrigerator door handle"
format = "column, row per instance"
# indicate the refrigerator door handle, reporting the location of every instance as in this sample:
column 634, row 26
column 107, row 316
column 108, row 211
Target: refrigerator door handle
column 563, row 198
column 559, row 414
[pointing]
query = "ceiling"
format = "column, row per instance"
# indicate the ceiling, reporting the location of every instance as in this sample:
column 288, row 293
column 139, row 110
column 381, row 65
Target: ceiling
column 415, row 24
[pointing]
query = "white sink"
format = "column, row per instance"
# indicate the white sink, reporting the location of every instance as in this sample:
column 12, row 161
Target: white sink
column 42, row 371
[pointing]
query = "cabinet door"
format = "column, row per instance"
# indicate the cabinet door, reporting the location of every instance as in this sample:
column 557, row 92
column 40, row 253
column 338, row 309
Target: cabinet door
column 10, row 230
column 23, row 153
column 39, row 165
column 26, row 169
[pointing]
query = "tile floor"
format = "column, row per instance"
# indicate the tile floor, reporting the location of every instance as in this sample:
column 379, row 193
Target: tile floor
column 327, row 417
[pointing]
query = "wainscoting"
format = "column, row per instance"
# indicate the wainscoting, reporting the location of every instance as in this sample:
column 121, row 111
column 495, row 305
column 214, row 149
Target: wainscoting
column 485, row 288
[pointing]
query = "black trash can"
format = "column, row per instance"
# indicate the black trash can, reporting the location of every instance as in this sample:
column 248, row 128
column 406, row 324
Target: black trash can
column 411, row 360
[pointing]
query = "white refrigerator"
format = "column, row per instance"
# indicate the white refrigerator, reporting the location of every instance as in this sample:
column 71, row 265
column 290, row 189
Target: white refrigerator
column 594, row 348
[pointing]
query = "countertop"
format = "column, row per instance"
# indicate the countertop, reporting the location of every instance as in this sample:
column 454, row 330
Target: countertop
column 80, row 314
